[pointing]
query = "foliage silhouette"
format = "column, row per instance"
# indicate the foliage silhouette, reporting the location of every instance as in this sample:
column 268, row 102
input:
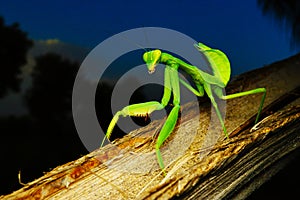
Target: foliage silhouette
column 50, row 102
column 14, row 45
column 17, row 146
column 49, row 99
column 287, row 12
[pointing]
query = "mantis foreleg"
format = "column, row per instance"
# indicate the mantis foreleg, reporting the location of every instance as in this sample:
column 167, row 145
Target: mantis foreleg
column 143, row 109
column 137, row 110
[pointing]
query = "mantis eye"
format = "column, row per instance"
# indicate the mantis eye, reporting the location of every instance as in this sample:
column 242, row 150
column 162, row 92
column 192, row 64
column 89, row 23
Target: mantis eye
column 155, row 55
column 152, row 56
column 145, row 57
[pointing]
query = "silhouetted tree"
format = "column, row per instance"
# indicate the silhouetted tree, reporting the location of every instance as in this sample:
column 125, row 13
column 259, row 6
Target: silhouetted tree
column 50, row 98
column 49, row 101
column 47, row 136
column 14, row 45
column 287, row 12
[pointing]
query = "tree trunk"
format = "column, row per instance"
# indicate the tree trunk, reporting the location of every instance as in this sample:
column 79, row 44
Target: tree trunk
column 200, row 164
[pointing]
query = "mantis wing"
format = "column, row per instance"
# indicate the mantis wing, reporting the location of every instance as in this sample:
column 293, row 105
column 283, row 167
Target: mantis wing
column 219, row 63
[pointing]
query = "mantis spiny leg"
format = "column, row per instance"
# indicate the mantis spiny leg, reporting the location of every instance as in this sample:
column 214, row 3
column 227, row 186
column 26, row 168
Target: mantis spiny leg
column 137, row 110
column 141, row 109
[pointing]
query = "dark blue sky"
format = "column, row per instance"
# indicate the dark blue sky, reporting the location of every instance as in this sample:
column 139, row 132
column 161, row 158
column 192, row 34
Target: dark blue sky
column 238, row 28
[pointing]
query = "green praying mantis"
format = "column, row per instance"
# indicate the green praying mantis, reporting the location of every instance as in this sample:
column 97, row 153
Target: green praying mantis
column 212, row 85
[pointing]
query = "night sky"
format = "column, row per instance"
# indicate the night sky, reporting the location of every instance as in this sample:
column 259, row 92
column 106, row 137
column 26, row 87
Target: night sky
column 239, row 28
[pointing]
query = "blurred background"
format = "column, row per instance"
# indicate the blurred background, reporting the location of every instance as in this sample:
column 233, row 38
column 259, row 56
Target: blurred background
column 42, row 44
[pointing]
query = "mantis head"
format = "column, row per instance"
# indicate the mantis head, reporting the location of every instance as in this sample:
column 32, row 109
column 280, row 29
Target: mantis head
column 152, row 58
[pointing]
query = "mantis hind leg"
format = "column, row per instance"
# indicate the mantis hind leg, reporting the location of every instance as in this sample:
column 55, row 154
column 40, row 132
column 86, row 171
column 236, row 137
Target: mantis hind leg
column 254, row 91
